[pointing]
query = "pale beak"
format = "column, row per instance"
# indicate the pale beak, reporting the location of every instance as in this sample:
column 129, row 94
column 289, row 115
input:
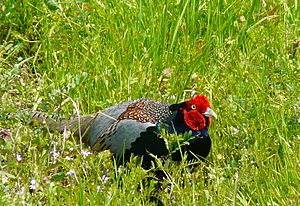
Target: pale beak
column 210, row 113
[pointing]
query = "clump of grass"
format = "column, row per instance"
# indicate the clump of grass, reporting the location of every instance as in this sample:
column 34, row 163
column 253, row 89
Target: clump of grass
column 243, row 55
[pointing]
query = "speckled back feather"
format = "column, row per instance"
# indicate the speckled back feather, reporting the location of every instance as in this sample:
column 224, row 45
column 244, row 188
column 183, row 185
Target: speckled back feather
column 146, row 110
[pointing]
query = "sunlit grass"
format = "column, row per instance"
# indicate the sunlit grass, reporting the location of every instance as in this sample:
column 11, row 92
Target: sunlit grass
column 243, row 55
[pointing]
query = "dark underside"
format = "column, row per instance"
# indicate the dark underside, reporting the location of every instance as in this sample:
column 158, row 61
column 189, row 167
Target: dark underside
column 198, row 148
column 150, row 143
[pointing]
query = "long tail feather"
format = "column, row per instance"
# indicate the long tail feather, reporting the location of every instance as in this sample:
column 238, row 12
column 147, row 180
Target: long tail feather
column 77, row 125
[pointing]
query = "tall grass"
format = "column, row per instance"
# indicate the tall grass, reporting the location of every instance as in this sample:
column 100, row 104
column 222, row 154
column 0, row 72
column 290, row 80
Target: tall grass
column 243, row 55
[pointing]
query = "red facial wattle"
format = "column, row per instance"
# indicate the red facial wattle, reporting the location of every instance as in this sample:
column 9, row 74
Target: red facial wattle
column 194, row 119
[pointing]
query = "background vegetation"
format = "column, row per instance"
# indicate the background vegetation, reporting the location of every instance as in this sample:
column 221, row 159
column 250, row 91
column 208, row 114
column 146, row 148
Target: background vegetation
column 244, row 55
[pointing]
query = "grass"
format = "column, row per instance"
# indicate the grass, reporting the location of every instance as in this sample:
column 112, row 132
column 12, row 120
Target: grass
column 94, row 54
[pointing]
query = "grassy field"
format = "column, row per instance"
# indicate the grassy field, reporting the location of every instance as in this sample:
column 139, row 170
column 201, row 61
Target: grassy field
column 57, row 56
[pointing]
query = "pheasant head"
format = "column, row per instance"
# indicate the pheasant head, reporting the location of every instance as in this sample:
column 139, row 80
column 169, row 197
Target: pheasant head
column 196, row 112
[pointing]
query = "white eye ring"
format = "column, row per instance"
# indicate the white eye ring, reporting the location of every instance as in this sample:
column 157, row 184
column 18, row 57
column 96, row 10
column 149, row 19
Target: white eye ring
column 193, row 106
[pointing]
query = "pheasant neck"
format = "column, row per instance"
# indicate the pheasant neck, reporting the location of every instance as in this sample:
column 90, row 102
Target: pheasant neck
column 178, row 125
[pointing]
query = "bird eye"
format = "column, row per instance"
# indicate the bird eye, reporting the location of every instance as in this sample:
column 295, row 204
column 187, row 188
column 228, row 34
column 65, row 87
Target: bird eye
column 193, row 106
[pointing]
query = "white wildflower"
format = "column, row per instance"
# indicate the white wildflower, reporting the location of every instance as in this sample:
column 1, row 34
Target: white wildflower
column 18, row 158
column 32, row 186
column 235, row 131
column 173, row 97
column 55, row 154
column 71, row 172
column 220, row 157
column 85, row 153
column 69, row 158
column 104, row 178
column 98, row 188
column 4, row 179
